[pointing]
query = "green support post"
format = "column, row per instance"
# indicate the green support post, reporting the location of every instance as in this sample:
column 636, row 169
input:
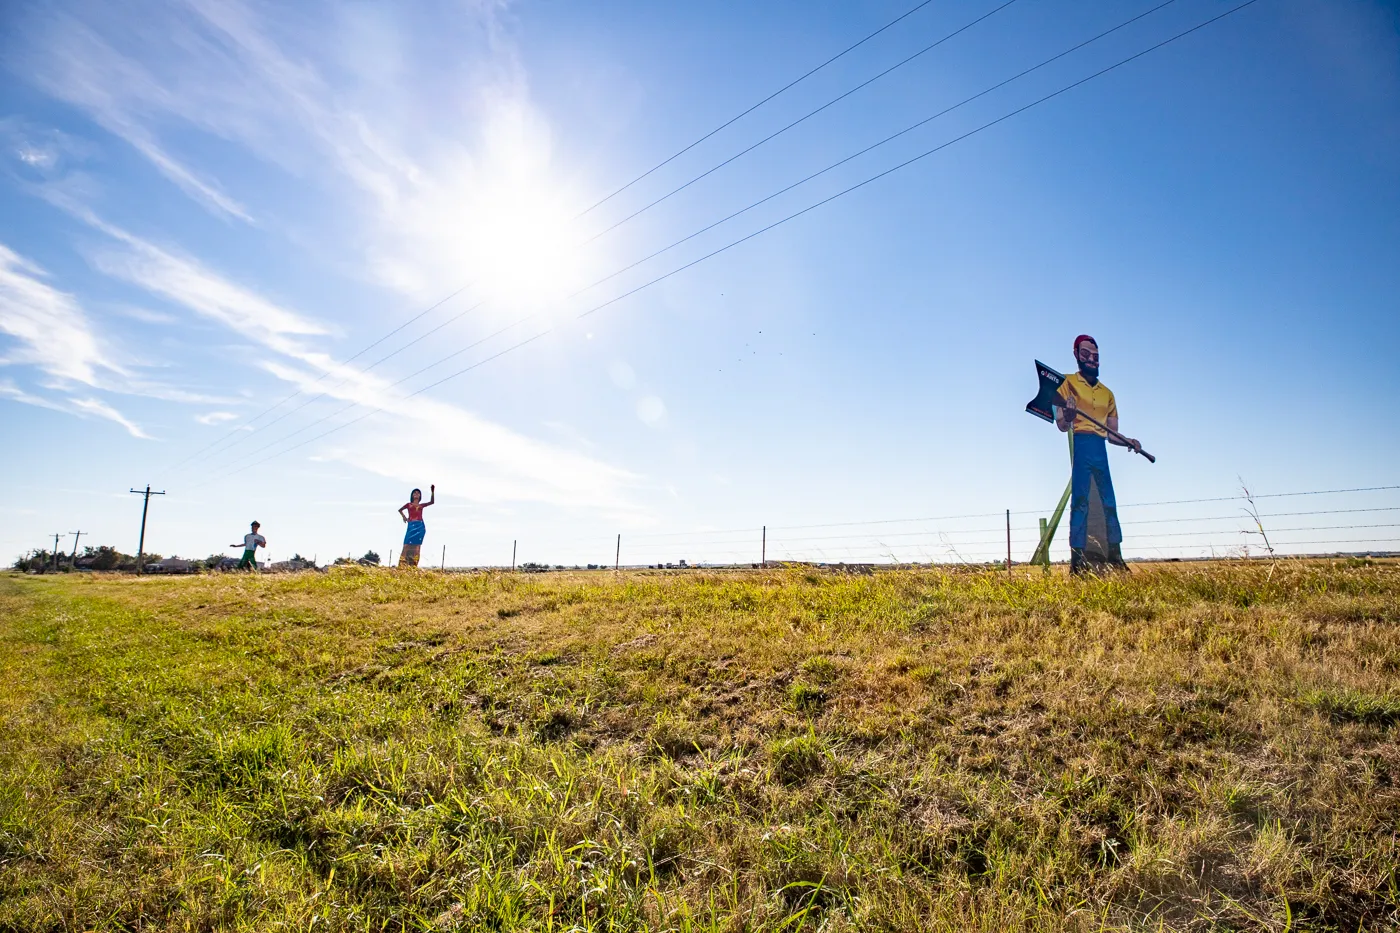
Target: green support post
column 1048, row 529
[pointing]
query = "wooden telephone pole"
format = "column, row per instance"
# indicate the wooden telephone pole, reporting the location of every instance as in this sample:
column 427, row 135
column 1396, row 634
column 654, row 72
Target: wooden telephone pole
column 73, row 561
column 145, row 505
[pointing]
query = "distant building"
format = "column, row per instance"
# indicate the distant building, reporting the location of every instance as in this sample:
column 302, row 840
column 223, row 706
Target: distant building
column 171, row 565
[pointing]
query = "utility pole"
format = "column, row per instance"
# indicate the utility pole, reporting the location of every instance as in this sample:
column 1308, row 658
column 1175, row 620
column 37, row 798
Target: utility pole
column 55, row 551
column 73, row 561
column 145, row 505
column 1008, row 542
column 617, row 558
column 763, row 553
column 512, row 554
column 444, row 558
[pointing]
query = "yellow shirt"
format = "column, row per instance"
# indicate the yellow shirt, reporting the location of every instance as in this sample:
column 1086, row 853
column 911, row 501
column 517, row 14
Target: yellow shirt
column 1096, row 400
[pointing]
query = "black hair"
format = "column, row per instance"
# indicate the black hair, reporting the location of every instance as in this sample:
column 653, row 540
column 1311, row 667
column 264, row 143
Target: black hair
column 416, row 492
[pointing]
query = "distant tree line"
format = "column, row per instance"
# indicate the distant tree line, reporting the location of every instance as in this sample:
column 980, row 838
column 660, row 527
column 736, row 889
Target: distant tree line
column 104, row 557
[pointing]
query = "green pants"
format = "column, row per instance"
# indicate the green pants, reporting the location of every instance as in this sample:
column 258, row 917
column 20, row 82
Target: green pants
column 249, row 560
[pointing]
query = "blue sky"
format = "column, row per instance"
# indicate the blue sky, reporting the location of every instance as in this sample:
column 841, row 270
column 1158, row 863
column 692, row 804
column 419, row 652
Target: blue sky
column 208, row 206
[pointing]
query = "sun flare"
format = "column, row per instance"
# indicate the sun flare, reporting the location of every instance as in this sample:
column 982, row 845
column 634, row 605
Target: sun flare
column 528, row 249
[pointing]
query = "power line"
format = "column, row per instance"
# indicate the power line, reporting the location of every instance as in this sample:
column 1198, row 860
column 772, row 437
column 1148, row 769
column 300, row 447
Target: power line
column 587, row 210
column 244, row 435
column 804, row 118
column 349, row 405
column 889, row 171
column 730, row 122
column 368, row 413
column 361, row 352
column 876, row 145
column 778, row 193
column 421, row 337
column 923, row 155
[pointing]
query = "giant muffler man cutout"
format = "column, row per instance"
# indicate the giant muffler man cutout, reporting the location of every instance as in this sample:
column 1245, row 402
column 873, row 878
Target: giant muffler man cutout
column 1082, row 406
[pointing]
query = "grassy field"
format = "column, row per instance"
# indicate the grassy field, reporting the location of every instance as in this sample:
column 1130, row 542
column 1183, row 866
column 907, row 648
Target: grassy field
column 1190, row 748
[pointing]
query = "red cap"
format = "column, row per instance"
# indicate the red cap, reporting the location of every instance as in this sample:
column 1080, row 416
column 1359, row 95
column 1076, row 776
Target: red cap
column 1080, row 339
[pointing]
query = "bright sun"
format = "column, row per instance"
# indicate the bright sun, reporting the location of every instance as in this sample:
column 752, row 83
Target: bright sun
column 497, row 215
column 527, row 248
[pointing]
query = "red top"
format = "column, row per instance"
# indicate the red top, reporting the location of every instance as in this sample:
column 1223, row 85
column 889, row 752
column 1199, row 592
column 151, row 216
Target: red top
column 415, row 511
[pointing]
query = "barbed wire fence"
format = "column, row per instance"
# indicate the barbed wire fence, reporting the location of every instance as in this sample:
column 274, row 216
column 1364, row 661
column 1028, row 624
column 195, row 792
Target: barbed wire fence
column 1363, row 521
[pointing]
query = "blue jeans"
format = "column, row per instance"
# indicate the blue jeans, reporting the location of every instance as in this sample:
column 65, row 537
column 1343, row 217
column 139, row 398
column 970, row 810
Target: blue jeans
column 1091, row 461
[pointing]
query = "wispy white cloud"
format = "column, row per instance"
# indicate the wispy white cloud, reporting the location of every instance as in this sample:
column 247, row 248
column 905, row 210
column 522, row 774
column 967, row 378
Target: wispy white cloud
column 478, row 460
column 472, row 452
column 167, row 393
column 36, row 157
column 101, row 409
column 463, row 188
column 41, row 149
column 73, row 63
column 146, row 315
column 71, row 406
column 49, row 327
column 13, row 392
column 52, row 333
column 481, row 460
column 188, row 282
column 215, row 417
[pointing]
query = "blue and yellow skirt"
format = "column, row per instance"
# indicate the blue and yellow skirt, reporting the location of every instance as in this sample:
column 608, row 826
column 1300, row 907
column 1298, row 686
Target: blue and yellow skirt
column 413, row 544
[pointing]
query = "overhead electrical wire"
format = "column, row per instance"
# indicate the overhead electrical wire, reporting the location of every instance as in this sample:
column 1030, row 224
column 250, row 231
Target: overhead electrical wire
column 770, row 197
column 242, row 434
column 839, row 194
column 732, row 120
column 239, row 428
column 352, row 404
column 596, row 204
column 316, row 398
column 895, row 168
column 876, row 145
column 802, row 119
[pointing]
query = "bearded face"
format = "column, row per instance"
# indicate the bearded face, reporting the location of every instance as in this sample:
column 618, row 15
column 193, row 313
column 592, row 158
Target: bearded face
column 1087, row 356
